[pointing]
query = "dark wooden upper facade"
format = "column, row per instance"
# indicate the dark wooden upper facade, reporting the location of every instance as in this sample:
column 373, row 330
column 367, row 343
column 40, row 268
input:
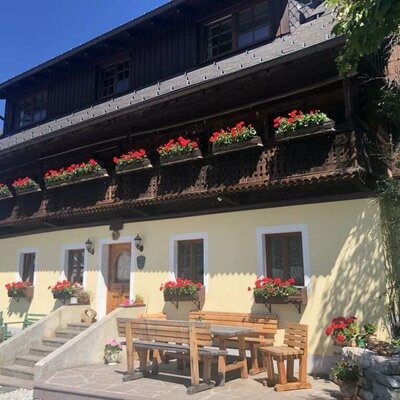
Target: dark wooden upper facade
column 179, row 39
column 173, row 91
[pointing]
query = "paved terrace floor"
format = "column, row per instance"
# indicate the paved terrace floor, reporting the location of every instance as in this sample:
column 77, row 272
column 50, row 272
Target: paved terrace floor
column 105, row 382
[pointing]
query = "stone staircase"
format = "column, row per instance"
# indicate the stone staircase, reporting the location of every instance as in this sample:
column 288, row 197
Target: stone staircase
column 21, row 372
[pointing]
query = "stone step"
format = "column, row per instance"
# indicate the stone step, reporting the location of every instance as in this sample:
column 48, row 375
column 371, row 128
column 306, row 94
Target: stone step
column 79, row 326
column 41, row 350
column 54, row 342
column 67, row 333
column 28, row 360
column 9, row 381
column 18, row 371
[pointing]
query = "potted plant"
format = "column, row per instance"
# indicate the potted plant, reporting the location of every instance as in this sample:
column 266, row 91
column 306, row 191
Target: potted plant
column 111, row 352
column 25, row 185
column 19, row 290
column 75, row 173
column 370, row 333
column 4, row 192
column 347, row 374
column 179, row 151
column 343, row 331
column 183, row 290
column 237, row 138
column 132, row 161
column 64, row 290
column 139, row 301
column 299, row 124
column 83, row 297
column 277, row 291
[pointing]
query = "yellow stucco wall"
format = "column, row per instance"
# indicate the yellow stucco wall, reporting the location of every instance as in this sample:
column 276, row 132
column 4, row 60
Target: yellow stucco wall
column 346, row 260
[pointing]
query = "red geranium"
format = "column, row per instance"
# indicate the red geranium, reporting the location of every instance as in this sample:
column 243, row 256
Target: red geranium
column 297, row 119
column 238, row 133
column 17, row 289
column 4, row 190
column 65, row 289
column 24, row 184
column 271, row 287
column 181, row 286
column 343, row 329
column 132, row 157
column 178, row 147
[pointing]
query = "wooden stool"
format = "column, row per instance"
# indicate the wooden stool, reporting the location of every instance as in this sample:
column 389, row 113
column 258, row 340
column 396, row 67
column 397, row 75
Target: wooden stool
column 295, row 348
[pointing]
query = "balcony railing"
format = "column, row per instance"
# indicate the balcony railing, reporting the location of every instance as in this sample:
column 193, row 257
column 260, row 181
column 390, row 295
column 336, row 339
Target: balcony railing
column 338, row 155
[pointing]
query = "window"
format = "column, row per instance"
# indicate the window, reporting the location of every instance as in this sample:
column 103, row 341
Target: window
column 32, row 110
column 76, row 266
column 28, row 267
column 218, row 37
column 239, row 29
column 190, row 260
column 284, row 256
column 115, row 78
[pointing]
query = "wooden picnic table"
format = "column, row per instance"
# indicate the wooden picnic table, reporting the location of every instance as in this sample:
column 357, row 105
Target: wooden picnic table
column 222, row 333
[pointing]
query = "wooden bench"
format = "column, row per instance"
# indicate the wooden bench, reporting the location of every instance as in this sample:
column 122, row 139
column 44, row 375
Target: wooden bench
column 265, row 326
column 175, row 337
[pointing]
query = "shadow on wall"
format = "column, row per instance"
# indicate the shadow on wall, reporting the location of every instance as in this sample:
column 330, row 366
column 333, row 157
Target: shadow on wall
column 356, row 279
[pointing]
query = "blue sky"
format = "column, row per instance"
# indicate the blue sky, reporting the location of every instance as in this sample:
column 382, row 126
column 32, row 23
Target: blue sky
column 32, row 32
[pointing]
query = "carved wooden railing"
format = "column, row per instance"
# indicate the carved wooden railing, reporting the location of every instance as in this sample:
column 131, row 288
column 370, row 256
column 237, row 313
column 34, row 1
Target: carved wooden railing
column 334, row 154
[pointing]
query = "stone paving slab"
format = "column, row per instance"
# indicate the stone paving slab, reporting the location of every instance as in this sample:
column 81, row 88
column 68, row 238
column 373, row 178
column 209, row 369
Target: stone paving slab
column 104, row 382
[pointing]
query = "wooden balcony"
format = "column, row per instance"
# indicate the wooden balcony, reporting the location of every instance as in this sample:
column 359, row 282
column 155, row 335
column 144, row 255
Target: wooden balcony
column 326, row 164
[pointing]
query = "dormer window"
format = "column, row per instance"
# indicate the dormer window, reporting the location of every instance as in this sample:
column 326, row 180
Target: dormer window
column 239, row 29
column 32, row 110
column 115, row 78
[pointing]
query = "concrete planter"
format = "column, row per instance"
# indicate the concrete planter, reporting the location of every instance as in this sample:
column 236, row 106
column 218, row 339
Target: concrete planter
column 81, row 179
column 247, row 144
column 194, row 155
column 135, row 167
column 313, row 130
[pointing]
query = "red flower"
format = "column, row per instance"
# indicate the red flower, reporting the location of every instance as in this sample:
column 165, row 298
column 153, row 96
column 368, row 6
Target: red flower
column 340, row 338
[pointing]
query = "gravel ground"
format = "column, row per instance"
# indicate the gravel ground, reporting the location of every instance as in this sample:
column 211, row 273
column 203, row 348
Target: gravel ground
column 15, row 394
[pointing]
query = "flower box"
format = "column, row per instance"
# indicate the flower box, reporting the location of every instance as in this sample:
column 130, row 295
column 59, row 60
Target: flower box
column 299, row 298
column 61, row 296
column 228, row 148
column 78, row 179
column 4, row 196
column 25, row 186
column 197, row 297
column 312, row 130
column 195, row 154
column 135, row 167
column 26, row 293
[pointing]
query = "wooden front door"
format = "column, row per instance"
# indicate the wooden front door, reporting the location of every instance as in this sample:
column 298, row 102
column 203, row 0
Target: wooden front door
column 119, row 273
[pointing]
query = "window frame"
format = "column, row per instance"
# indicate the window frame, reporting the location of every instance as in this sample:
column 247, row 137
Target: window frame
column 233, row 13
column 261, row 232
column 23, row 100
column 65, row 260
column 20, row 263
column 173, row 253
column 113, row 63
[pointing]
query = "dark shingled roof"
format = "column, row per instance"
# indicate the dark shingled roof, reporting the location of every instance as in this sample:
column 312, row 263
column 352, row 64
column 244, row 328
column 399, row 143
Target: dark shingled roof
column 308, row 38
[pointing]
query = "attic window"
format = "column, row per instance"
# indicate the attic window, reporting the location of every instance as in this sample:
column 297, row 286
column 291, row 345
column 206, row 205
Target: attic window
column 115, row 78
column 244, row 27
column 32, row 110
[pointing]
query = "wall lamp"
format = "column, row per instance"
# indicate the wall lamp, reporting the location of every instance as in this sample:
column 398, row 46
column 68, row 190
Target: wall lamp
column 138, row 242
column 89, row 246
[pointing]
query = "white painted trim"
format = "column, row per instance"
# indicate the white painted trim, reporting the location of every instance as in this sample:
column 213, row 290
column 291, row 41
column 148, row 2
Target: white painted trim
column 20, row 262
column 103, row 252
column 268, row 230
column 64, row 260
column 173, row 252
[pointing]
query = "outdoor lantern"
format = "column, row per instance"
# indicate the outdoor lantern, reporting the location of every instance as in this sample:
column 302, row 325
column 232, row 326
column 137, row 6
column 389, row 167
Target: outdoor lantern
column 138, row 242
column 89, row 246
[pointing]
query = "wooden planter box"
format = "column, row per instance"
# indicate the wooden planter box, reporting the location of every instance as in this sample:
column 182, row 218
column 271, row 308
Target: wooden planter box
column 309, row 131
column 27, row 294
column 196, row 298
column 248, row 144
column 126, row 169
column 35, row 189
column 194, row 155
column 59, row 296
column 296, row 299
column 6, row 196
column 81, row 179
